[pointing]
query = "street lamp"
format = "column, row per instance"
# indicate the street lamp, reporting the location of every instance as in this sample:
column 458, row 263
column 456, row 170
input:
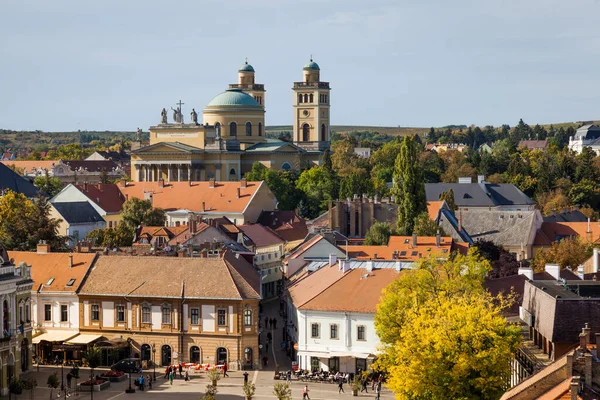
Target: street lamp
column 154, row 360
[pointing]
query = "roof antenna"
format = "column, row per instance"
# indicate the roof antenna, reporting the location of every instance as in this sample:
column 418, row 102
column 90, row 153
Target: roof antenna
column 311, row 58
column 246, row 60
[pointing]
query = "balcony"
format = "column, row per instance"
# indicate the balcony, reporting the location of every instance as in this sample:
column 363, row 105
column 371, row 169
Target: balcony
column 256, row 86
column 311, row 85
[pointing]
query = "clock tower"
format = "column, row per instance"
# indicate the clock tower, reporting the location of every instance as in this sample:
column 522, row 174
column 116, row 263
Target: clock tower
column 311, row 110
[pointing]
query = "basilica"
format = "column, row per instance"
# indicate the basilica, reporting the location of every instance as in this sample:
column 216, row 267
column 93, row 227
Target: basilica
column 231, row 135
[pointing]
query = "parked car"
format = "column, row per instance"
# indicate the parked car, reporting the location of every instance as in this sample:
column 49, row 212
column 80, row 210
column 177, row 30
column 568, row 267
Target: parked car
column 127, row 365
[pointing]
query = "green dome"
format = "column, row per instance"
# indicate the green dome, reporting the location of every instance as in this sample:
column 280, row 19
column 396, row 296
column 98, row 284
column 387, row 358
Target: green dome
column 312, row 65
column 234, row 97
column 246, row 68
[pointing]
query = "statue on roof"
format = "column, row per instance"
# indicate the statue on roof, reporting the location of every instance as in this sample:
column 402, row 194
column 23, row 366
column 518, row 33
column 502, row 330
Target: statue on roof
column 138, row 135
column 163, row 116
column 3, row 255
column 194, row 116
column 176, row 114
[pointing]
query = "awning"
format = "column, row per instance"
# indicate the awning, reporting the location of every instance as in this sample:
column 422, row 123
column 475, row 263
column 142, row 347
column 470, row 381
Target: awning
column 115, row 343
column 83, row 339
column 330, row 354
column 53, row 336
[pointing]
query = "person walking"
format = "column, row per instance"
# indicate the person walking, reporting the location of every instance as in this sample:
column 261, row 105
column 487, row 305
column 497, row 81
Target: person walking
column 225, row 370
column 149, row 378
column 187, row 374
column 167, row 371
column 373, row 382
column 289, row 376
column 341, row 386
column 305, row 393
column 378, row 391
column 364, row 386
column 171, row 377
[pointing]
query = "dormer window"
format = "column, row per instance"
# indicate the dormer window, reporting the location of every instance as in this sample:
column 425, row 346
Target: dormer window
column 49, row 281
column 71, row 282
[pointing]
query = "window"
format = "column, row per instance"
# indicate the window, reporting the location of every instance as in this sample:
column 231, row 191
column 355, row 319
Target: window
column 360, row 332
column 166, row 315
column 310, row 98
column 64, row 313
column 195, row 316
column 314, row 331
column 247, row 317
column 305, row 133
column 27, row 311
column 286, row 166
column 21, row 313
column 95, row 312
column 47, row 312
column 233, row 129
column 259, row 129
column 71, row 282
column 314, row 364
column 269, row 255
column 221, row 317
column 306, row 98
column 361, row 364
column 299, row 98
column 120, row 313
column 248, row 129
column 323, row 133
column 333, row 331
column 146, row 315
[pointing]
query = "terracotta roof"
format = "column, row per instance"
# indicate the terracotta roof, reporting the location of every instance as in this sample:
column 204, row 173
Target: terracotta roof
column 533, row 144
column 182, row 195
column 106, row 195
column 286, row 224
column 433, row 208
column 228, row 277
column 28, row 166
column 559, row 230
column 354, row 291
column 403, row 244
column 260, row 235
column 57, row 266
column 169, row 231
column 184, row 235
column 306, row 288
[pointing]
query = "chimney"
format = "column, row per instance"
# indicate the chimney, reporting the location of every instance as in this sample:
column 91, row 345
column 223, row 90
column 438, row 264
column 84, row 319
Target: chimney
column 375, row 256
column 581, row 272
column 398, row 266
column 161, row 183
column 459, row 220
column 238, row 193
column 243, row 183
column 527, row 271
column 369, row 265
column 553, row 269
column 332, row 259
column 122, row 183
column 203, row 206
column 595, row 261
column 43, row 248
column 85, row 186
column 414, row 239
column 345, row 266
column 575, row 388
column 438, row 239
column 211, row 183
column 70, row 260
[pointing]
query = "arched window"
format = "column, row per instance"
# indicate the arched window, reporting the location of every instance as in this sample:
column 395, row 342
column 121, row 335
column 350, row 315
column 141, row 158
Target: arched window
column 306, row 98
column 232, row 171
column 323, row 133
column 248, row 356
column 311, row 98
column 218, row 129
column 248, row 317
column 165, row 353
column 233, row 129
column 146, row 352
column 259, row 129
column 286, row 166
column 299, row 98
column 221, row 355
column 6, row 320
column 305, row 133
column 195, row 354
column 248, row 129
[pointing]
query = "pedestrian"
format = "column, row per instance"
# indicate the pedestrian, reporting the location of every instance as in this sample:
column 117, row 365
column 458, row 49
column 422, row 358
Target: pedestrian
column 289, row 376
column 341, row 386
column 180, row 370
column 171, row 376
column 69, row 378
column 364, row 386
column 305, row 393
column 225, row 370
column 373, row 381
column 187, row 375
column 141, row 380
column 167, row 370
column 378, row 391
column 149, row 382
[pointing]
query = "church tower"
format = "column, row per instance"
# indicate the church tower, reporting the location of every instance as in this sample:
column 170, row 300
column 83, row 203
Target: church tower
column 246, row 83
column 311, row 110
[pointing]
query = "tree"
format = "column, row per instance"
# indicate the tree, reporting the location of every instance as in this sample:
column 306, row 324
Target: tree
column 120, row 236
column 52, row 382
column 282, row 391
column 50, row 185
column 553, row 201
column 568, row 253
column 137, row 212
column 448, row 197
column 24, row 223
column 585, row 165
column 379, row 234
column 318, row 189
column 356, row 181
column 441, row 312
column 425, row 226
column 409, row 189
column 585, row 193
column 93, row 357
column 502, row 261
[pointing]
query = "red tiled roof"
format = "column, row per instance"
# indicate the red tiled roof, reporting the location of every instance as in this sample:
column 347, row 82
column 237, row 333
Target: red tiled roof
column 286, row 224
column 106, row 195
column 406, row 251
column 260, row 235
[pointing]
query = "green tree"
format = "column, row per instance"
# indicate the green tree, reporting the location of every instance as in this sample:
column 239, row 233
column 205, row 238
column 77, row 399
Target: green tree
column 442, row 313
column 585, row 165
column 425, row 226
column 281, row 183
column 356, row 182
column 137, row 212
column 379, row 234
column 52, row 382
column 448, row 197
column 585, row 193
column 318, row 189
column 409, row 189
column 50, row 185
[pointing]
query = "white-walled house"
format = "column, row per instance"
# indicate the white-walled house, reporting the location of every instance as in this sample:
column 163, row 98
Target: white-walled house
column 331, row 315
column 55, row 304
column 315, row 248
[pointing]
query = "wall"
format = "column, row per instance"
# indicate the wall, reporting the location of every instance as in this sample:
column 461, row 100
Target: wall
column 56, row 300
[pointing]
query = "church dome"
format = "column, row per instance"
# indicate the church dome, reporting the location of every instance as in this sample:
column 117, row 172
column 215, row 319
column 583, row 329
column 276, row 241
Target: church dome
column 312, row 66
column 234, row 97
column 246, row 68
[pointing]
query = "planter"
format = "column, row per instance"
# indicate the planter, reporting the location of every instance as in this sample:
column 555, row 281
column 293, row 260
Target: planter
column 97, row 388
column 355, row 393
column 115, row 378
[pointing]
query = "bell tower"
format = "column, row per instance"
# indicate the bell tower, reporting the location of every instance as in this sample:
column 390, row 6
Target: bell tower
column 311, row 110
column 246, row 83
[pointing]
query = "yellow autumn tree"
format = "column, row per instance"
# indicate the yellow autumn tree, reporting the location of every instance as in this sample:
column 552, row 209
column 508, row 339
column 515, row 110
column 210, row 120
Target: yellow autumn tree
column 443, row 334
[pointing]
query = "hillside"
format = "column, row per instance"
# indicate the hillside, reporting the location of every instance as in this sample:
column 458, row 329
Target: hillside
column 392, row 131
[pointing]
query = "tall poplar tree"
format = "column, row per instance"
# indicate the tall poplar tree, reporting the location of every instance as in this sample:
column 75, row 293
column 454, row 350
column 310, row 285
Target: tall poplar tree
column 409, row 187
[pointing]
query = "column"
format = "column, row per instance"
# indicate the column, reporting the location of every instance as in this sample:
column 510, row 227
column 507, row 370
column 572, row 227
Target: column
column 170, row 172
column 139, row 172
column 179, row 173
column 145, row 167
column 218, row 171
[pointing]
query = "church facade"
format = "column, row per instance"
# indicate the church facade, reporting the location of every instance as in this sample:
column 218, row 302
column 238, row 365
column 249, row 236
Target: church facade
column 231, row 135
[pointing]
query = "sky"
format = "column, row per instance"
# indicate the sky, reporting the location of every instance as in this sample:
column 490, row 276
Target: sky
column 114, row 64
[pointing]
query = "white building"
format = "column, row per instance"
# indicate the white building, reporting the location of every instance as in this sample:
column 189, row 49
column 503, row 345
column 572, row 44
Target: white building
column 586, row 136
column 331, row 314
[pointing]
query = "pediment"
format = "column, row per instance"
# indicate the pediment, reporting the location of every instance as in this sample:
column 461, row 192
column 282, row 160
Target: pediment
column 165, row 147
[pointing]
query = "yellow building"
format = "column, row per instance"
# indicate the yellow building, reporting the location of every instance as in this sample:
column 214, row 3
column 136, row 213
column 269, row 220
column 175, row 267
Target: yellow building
column 231, row 136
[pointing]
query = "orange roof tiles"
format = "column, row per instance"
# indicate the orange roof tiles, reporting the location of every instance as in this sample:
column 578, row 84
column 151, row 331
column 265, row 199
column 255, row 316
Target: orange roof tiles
column 309, row 286
column 29, row 165
column 433, row 208
column 184, row 195
column 557, row 230
column 55, row 266
column 403, row 244
column 106, row 195
column 354, row 291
